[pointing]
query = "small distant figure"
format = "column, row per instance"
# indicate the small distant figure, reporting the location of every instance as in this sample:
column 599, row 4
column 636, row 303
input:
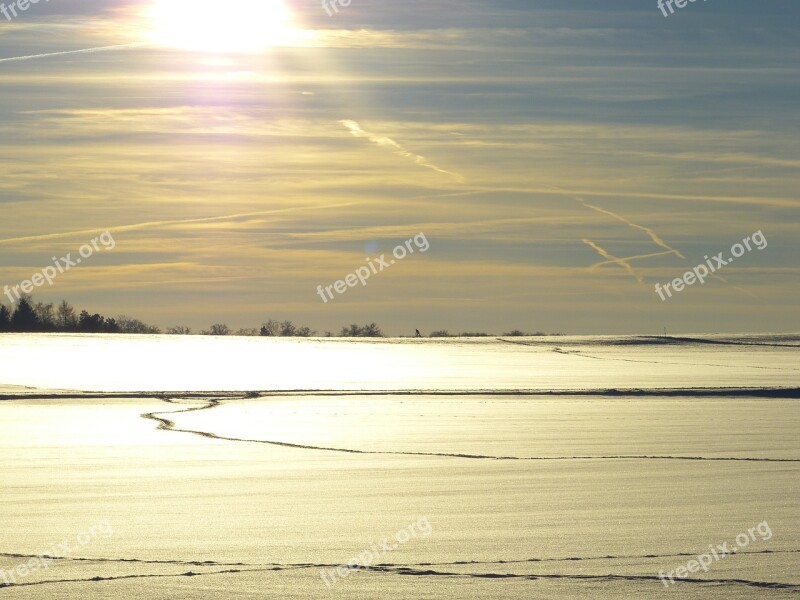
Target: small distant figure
column 419, row 335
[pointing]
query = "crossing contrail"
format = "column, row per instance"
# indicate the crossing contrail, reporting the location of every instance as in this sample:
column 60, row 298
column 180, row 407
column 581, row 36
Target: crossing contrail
column 653, row 235
column 83, row 51
column 615, row 259
column 629, row 258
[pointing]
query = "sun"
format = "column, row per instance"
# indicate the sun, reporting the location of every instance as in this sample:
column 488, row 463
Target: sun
column 220, row 26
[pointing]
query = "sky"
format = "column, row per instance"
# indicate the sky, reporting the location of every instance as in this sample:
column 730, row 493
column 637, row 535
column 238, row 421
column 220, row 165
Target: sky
column 561, row 158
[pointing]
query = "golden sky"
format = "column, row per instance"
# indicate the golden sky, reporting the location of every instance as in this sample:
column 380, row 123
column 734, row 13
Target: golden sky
column 560, row 157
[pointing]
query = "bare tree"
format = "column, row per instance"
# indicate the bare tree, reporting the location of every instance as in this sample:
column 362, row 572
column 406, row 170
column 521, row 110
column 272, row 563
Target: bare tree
column 352, row 331
column 271, row 328
column 65, row 314
column 372, row 330
column 179, row 330
column 130, row 325
column 46, row 315
column 218, row 329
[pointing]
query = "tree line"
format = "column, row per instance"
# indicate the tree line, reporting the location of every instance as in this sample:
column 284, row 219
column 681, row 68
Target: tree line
column 39, row 317
column 443, row 333
column 274, row 328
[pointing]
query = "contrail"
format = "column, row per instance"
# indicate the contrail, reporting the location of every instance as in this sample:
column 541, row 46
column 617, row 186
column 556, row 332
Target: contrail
column 83, row 51
column 357, row 131
column 628, row 258
column 156, row 224
column 653, row 235
column 620, row 261
column 623, row 262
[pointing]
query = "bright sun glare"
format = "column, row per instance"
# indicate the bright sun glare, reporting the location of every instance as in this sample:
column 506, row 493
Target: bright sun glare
column 220, row 26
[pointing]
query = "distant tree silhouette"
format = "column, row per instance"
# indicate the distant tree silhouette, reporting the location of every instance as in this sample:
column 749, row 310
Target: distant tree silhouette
column 179, row 330
column 218, row 329
column 96, row 324
column 65, row 317
column 271, row 328
column 89, row 324
column 352, row 331
column 442, row 333
column 24, row 318
column 371, row 330
column 247, row 332
column 5, row 319
column 130, row 325
column 288, row 329
column 46, row 316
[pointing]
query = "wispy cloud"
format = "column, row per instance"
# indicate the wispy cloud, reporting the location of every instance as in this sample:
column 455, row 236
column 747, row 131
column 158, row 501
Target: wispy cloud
column 461, row 118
